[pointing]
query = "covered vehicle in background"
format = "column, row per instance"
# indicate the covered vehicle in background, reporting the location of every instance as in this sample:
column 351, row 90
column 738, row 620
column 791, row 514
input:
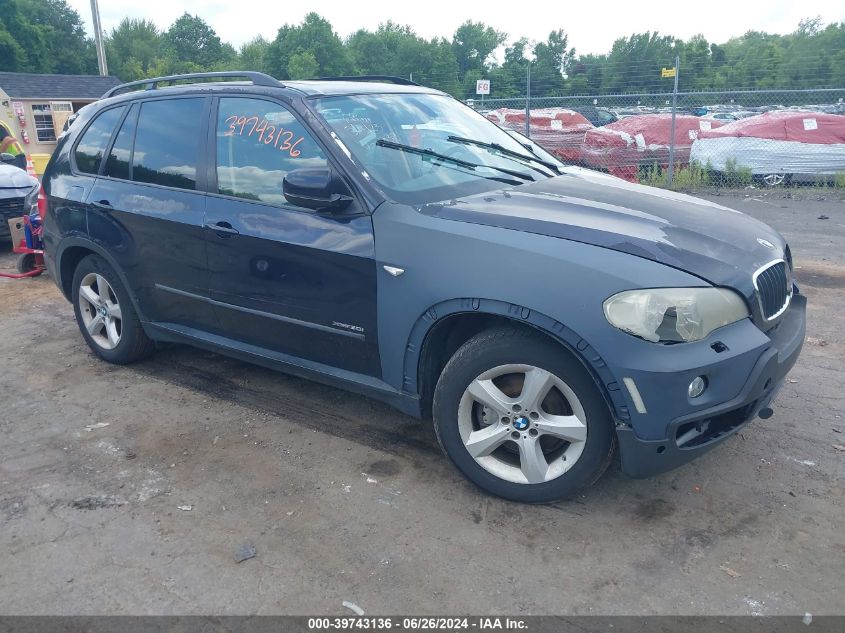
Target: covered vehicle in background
column 558, row 130
column 801, row 146
column 597, row 116
column 623, row 147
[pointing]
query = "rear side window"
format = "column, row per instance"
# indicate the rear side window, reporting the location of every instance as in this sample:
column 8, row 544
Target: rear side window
column 117, row 164
column 258, row 142
column 167, row 143
column 92, row 145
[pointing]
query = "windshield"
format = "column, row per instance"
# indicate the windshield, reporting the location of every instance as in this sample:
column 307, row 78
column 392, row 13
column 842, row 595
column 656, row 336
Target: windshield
column 422, row 148
column 535, row 149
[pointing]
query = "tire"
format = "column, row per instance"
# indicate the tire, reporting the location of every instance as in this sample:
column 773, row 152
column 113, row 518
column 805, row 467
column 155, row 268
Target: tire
column 487, row 368
column 26, row 263
column 775, row 179
column 105, row 314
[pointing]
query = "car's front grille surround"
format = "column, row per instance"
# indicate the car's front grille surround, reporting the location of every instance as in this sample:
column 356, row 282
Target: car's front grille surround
column 11, row 208
column 774, row 288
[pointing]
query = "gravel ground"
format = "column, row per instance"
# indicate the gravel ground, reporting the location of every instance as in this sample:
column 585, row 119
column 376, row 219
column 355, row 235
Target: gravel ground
column 129, row 490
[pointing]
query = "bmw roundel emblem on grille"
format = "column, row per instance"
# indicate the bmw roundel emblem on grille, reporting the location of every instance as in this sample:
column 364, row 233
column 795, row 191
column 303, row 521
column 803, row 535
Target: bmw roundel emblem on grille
column 765, row 243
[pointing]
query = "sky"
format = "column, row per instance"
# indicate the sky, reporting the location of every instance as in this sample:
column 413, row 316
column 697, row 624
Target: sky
column 592, row 26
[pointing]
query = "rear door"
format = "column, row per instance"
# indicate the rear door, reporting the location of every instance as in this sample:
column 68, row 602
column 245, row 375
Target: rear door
column 147, row 208
column 283, row 277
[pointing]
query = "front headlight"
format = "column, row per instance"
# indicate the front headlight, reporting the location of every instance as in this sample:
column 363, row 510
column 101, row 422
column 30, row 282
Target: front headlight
column 30, row 202
column 674, row 315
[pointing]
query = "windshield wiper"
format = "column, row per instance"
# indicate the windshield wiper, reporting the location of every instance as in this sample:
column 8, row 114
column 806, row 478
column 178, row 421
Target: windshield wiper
column 410, row 149
column 504, row 151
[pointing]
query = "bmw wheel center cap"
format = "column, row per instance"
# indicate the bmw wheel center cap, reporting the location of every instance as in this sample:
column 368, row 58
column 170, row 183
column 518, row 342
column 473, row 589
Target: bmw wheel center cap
column 520, row 423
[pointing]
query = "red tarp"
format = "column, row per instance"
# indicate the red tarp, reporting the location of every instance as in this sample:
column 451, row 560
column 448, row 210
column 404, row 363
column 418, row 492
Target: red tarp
column 817, row 128
column 558, row 130
column 621, row 147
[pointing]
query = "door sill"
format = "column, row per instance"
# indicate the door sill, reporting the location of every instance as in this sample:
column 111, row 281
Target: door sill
column 341, row 378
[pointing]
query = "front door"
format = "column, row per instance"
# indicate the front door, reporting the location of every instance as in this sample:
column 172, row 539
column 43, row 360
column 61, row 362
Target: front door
column 282, row 277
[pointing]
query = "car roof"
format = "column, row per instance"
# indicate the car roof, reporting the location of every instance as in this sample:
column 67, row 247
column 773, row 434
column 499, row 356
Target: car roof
column 307, row 89
column 225, row 81
column 323, row 87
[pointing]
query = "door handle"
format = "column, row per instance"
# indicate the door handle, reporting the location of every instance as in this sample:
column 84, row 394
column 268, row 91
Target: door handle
column 222, row 227
column 105, row 205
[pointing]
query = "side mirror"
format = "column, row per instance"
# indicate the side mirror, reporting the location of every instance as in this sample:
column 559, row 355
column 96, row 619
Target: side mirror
column 317, row 188
column 6, row 158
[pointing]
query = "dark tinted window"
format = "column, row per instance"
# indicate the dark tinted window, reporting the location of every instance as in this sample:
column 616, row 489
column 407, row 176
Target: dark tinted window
column 117, row 164
column 258, row 142
column 167, row 143
column 93, row 143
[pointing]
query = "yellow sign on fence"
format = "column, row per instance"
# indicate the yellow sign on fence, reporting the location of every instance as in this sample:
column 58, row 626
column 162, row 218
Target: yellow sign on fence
column 667, row 72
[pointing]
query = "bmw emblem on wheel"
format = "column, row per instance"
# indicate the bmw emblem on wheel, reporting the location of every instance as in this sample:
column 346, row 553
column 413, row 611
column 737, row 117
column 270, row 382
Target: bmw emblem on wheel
column 520, row 423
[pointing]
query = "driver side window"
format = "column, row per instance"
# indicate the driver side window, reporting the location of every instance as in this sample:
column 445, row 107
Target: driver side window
column 258, row 143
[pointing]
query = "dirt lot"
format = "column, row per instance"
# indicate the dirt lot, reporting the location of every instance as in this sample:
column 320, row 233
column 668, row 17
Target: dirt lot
column 345, row 499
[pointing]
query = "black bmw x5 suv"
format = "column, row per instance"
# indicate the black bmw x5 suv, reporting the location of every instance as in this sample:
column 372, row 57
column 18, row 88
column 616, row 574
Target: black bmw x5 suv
column 385, row 238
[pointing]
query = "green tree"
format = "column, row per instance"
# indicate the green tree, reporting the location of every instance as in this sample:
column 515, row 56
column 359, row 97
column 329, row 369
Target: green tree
column 303, row 65
column 314, row 35
column 49, row 33
column 12, row 55
column 552, row 59
column 509, row 80
column 397, row 50
column 132, row 48
column 192, row 43
column 696, row 63
column 586, row 75
column 634, row 62
column 251, row 56
column 474, row 44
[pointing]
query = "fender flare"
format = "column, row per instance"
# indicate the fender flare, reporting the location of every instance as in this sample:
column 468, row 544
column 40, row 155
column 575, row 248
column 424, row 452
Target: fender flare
column 576, row 344
column 88, row 244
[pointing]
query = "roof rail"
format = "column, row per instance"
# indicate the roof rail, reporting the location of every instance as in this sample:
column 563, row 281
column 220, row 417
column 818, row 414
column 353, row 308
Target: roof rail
column 401, row 81
column 258, row 79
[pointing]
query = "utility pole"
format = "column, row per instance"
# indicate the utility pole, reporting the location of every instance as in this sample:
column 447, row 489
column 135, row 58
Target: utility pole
column 528, row 102
column 674, row 108
column 98, row 38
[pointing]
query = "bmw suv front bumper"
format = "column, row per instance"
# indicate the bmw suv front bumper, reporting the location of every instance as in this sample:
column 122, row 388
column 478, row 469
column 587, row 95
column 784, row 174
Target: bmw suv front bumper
column 691, row 433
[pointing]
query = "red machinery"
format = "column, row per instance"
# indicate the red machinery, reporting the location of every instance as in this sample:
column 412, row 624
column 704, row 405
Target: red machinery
column 27, row 243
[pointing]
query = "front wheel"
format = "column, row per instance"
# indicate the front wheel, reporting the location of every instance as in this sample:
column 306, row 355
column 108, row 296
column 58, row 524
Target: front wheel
column 521, row 417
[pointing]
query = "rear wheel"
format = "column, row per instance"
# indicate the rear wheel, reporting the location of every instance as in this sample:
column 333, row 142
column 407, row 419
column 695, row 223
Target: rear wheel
column 775, row 179
column 521, row 417
column 105, row 315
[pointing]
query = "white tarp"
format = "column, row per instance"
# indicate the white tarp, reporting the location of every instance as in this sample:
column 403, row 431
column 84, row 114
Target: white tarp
column 765, row 156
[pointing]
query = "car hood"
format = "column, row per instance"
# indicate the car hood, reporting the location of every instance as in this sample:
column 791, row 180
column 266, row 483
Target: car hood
column 720, row 245
column 13, row 179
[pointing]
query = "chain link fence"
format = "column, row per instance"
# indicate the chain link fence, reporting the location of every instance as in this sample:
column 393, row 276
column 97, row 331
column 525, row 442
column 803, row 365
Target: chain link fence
column 690, row 139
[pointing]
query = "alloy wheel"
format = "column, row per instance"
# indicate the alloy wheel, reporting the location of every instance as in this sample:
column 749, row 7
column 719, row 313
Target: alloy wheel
column 773, row 180
column 522, row 423
column 100, row 309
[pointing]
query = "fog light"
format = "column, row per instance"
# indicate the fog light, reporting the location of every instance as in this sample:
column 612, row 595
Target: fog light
column 697, row 386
